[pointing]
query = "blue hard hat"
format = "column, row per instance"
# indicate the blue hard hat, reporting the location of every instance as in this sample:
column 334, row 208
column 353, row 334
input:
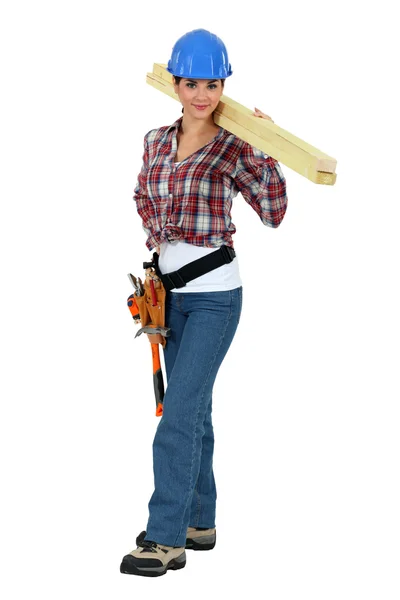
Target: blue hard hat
column 199, row 54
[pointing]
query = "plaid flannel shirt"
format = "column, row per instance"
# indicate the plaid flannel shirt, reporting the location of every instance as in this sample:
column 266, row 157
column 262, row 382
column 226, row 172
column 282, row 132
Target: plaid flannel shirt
column 192, row 201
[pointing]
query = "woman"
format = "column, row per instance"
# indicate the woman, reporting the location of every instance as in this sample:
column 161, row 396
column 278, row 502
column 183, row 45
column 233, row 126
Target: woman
column 191, row 172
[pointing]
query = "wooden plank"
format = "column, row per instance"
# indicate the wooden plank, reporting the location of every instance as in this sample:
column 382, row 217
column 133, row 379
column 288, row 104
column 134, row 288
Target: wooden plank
column 270, row 132
column 260, row 133
column 300, row 165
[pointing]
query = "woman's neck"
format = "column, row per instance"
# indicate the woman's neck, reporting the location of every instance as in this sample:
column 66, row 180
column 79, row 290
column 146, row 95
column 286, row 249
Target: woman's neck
column 195, row 127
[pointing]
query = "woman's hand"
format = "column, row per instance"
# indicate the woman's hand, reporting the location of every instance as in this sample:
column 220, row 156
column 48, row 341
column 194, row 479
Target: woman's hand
column 257, row 113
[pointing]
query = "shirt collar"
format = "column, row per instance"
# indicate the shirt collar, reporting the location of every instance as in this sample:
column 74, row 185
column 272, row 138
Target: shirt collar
column 176, row 124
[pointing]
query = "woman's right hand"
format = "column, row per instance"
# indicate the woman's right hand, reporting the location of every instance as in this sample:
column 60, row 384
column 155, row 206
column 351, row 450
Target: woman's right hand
column 158, row 249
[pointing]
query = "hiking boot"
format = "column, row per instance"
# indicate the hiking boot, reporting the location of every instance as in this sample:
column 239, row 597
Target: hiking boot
column 151, row 559
column 200, row 538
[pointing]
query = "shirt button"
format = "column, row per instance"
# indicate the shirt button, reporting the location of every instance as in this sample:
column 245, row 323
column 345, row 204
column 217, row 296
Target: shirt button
column 170, row 195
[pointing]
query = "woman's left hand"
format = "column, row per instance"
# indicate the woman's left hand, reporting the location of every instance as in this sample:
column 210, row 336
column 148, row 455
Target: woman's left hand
column 257, row 113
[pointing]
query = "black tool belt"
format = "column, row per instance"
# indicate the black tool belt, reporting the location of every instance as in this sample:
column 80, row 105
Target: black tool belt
column 178, row 279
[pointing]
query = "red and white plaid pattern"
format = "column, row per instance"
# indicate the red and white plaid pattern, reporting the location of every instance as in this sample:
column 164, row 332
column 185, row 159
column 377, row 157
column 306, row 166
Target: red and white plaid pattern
column 192, row 201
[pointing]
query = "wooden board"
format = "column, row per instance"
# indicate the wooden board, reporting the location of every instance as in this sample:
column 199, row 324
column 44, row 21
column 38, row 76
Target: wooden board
column 268, row 137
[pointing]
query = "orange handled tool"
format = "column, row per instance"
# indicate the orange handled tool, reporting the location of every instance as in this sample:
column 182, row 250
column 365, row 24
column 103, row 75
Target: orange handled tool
column 157, row 372
column 133, row 307
column 154, row 332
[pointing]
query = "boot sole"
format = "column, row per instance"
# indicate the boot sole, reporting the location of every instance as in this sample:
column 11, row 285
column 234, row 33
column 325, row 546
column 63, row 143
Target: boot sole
column 173, row 565
column 207, row 542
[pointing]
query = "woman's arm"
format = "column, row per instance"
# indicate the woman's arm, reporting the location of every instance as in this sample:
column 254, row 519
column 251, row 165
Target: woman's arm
column 262, row 184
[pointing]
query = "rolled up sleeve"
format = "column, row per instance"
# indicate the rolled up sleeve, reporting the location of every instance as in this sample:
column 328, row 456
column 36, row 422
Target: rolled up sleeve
column 262, row 184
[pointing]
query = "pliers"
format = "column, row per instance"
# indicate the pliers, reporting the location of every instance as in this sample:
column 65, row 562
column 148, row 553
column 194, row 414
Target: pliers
column 137, row 284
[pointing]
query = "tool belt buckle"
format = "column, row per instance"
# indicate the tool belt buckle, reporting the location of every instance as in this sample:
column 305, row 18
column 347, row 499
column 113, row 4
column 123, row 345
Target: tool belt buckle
column 178, row 283
column 228, row 253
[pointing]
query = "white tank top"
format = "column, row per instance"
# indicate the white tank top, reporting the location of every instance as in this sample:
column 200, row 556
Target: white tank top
column 174, row 255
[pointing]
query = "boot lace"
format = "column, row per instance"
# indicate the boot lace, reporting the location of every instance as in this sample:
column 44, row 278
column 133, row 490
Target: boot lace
column 147, row 544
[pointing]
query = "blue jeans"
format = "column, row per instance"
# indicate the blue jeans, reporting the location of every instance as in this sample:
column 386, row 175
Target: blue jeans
column 203, row 325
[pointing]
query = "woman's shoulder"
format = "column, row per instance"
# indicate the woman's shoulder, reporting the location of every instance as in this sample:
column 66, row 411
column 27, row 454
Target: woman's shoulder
column 246, row 150
column 156, row 134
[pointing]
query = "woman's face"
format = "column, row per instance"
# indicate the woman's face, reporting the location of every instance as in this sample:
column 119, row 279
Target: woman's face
column 199, row 92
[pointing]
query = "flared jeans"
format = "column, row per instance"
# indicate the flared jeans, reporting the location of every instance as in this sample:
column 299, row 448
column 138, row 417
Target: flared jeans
column 203, row 325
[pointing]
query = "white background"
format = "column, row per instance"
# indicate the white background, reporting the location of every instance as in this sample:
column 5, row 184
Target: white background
column 305, row 405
